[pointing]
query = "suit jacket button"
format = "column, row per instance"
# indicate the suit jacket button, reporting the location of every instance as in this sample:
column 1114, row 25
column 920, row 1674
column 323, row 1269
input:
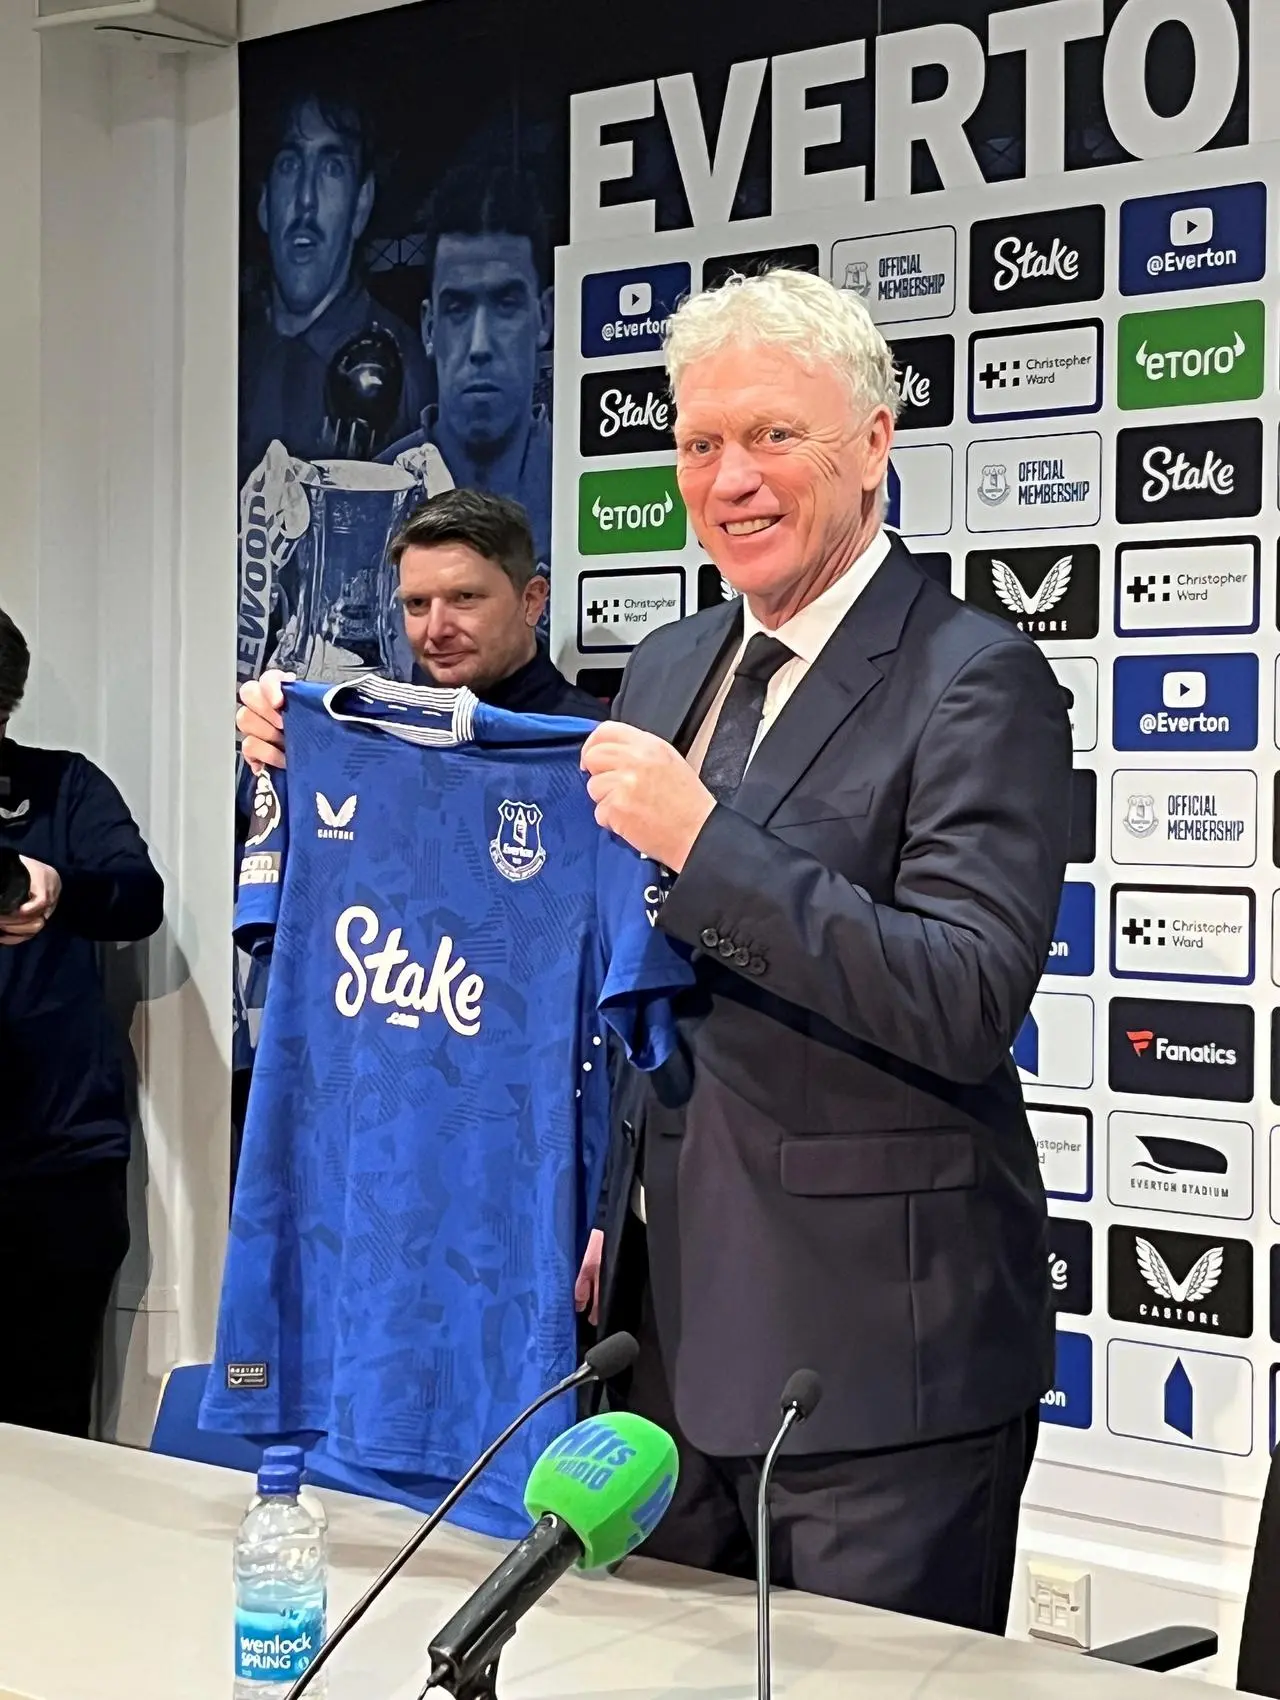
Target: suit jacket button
column 629, row 1132
column 710, row 937
column 742, row 956
column 727, row 949
column 756, row 965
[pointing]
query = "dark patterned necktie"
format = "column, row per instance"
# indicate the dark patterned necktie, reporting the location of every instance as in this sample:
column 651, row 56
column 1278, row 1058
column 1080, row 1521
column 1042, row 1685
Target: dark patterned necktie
column 730, row 748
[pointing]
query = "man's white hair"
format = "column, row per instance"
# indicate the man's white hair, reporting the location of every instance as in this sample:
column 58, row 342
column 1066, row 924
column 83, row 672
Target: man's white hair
column 812, row 319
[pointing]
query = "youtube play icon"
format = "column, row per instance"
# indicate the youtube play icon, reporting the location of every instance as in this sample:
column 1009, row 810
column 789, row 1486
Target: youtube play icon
column 1191, row 227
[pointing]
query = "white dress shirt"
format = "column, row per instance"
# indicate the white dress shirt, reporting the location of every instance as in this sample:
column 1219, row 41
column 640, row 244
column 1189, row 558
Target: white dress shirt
column 805, row 633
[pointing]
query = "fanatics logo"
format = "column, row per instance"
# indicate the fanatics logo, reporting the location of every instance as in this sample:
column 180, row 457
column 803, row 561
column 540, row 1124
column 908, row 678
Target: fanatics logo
column 1181, row 1050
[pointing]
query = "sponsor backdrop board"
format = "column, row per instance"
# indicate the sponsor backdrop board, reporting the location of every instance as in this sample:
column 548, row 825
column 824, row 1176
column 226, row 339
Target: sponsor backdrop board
column 1090, row 371
column 1080, row 296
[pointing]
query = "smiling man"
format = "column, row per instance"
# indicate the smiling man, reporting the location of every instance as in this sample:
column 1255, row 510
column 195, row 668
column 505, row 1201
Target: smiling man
column 861, row 788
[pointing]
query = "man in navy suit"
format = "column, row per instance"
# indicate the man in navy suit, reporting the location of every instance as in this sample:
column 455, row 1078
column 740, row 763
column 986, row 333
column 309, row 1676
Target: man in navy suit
column 861, row 788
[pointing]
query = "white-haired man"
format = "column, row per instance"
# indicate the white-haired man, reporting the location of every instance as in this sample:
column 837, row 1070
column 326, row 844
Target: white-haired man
column 861, row 787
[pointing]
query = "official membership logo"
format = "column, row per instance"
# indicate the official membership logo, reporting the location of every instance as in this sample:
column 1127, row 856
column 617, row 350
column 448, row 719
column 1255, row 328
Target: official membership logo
column 1140, row 817
column 517, row 849
column 993, row 484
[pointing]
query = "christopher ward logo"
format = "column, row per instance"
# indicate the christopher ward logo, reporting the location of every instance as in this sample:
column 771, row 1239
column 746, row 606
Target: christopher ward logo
column 909, row 274
column 1049, row 592
column 617, row 608
column 1036, row 260
column 626, row 413
column 1185, row 702
column 1171, row 474
column 799, row 257
column 1181, row 1050
column 1198, row 818
column 1191, row 356
column 1171, row 1280
column 926, row 371
column 1036, row 369
column 631, row 511
column 1188, row 1165
column 1064, row 1145
column 626, row 312
column 1199, row 239
column 1192, row 586
column 1182, row 932
column 1071, row 1265
column 1034, row 483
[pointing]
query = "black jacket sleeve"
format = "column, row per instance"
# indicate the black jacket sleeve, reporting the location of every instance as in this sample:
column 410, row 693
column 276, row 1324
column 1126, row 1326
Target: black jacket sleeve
column 943, row 975
column 110, row 888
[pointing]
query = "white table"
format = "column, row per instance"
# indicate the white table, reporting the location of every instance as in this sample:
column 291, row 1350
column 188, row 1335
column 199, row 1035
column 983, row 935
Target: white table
column 115, row 1584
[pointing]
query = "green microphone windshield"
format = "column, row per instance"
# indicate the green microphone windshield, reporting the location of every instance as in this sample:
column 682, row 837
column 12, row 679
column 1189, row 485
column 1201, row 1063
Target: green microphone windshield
column 610, row 1478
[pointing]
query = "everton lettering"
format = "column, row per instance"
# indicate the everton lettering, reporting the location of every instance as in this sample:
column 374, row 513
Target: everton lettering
column 405, row 985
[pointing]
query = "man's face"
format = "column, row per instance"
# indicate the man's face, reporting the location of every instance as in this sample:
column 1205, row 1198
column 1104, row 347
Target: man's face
column 313, row 208
column 465, row 621
column 483, row 326
column 776, row 466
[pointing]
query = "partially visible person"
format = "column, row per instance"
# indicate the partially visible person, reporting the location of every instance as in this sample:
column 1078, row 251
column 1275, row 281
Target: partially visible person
column 64, row 1102
column 324, row 367
column 486, row 318
column 471, row 599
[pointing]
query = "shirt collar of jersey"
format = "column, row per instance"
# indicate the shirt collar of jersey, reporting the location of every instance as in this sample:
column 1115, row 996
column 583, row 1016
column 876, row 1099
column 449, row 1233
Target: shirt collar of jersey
column 806, row 633
column 433, row 715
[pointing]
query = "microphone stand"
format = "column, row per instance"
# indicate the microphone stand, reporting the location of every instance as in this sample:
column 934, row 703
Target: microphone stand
column 764, row 1668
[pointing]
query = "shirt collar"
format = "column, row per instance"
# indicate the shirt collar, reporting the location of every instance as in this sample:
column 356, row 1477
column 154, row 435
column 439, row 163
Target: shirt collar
column 807, row 632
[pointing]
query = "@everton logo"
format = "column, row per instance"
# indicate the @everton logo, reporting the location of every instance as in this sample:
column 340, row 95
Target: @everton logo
column 993, row 486
column 1140, row 817
column 517, row 848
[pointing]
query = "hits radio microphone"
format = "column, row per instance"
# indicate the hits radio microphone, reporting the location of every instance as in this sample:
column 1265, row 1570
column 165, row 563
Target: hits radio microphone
column 609, row 1357
column 595, row 1494
column 799, row 1400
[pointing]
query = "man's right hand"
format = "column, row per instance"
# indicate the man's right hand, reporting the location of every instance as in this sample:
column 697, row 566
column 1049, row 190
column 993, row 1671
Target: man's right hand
column 260, row 719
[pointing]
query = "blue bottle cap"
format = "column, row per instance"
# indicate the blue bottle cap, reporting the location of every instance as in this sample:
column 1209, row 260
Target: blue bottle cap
column 284, row 1455
column 275, row 1477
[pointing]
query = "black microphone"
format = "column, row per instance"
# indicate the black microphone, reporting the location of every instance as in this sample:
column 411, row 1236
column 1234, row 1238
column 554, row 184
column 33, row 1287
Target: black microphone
column 607, row 1358
column 800, row 1399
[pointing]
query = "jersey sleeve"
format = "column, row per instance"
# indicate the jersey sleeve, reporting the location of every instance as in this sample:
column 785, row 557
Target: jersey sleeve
column 262, row 864
column 641, row 968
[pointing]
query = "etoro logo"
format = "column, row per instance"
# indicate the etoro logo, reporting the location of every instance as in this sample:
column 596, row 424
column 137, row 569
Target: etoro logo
column 1192, row 356
column 630, row 511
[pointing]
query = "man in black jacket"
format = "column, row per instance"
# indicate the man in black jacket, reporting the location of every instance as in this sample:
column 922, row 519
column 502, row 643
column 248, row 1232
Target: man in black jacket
column 64, row 1116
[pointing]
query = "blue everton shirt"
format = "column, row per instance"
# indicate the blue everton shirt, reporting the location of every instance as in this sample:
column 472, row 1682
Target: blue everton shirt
column 427, row 1126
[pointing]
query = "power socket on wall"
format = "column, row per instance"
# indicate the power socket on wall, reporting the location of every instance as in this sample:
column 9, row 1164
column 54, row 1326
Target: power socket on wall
column 1058, row 1603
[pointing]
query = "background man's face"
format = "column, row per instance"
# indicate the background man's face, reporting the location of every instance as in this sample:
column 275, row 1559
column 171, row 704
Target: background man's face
column 484, row 325
column 313, row 209
column 465, row 621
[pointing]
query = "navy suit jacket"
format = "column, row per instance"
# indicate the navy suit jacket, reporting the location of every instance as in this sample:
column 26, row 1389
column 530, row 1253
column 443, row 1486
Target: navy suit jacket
column 838, row 1167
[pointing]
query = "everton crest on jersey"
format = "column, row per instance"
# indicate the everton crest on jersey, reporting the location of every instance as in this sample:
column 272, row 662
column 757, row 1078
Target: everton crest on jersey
column 449, row 933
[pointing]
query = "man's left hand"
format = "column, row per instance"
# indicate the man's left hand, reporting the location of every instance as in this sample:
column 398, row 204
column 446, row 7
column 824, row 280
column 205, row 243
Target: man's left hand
column 646, row 792
column 33, row 917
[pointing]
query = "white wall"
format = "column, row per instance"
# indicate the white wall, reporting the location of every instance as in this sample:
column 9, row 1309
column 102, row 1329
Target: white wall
column 117, row 440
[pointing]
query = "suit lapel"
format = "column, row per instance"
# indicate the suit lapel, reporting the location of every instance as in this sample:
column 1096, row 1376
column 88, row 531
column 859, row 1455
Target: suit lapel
column 845, row 671
column 691, row 682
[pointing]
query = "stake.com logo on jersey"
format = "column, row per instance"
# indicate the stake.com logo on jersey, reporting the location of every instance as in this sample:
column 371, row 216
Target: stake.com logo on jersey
column 1172, row 1049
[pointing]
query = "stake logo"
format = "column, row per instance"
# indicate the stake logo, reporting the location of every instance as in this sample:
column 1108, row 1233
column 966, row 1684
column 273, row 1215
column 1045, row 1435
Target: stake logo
column 1172, row 474
column 1045, row 259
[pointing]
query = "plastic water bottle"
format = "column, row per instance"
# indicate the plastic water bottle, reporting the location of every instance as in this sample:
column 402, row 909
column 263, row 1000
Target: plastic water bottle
column 281, row 1577
column 307, row 1495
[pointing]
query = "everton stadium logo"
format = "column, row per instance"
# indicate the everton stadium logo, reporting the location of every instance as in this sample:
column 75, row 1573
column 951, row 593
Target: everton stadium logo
column 994, row 485
column 1140, row 817
column 517, row 849
column 266, row 810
